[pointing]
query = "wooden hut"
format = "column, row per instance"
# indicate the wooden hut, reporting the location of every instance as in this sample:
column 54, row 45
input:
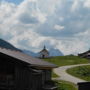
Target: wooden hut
column 85, row 54
column 84, row 86
column 19, row 71
column 44, row 53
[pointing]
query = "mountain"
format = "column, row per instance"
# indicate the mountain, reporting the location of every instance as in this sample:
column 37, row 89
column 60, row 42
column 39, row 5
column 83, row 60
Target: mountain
column 52, row 51
column 55, row 52
column 30, row 53
column 5, row 44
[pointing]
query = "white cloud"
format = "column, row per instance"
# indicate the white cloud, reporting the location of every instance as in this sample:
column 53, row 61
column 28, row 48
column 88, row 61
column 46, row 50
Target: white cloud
column 75, row 5
column 34, row 23
column 74, row 46
column 58, row 27
column 87, row 3
column 6, row 11
column 61, row 18
column 30, row 10
column 48, row 6
column 85, row 33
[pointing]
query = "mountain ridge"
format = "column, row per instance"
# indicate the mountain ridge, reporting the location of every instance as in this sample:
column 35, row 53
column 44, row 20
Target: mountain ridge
column 7, row 45
column 55, row 52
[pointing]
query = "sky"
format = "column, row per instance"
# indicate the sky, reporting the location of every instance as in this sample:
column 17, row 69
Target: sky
column 59, row 24
column 12, row 1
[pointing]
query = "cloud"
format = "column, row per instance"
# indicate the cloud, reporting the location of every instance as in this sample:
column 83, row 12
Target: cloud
column 61, row 19
column 84, row 34
column 62, row 24
column 87, row 4
column 75, row 5
column 75, row 46
column 58, row 27
column 28, row 12
column 6, row 10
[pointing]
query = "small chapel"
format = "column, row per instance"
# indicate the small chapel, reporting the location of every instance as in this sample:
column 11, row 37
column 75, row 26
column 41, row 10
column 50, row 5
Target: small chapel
column 44, row 53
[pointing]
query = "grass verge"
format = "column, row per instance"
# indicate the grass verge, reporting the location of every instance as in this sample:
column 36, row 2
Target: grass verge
column 64, row 85
column 54, row 75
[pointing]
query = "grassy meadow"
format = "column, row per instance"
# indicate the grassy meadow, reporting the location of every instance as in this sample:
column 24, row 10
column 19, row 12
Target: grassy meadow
column 63, row 61
column 82, row 72
column 66, row 60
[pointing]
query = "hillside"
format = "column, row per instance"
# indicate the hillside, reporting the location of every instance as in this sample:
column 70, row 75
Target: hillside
column 5, row 44
column 67, row 60
column 82, row 72
column 30, row 53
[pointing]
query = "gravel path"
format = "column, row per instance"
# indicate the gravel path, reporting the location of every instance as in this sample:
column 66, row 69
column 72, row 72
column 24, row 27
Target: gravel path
column 61, row 71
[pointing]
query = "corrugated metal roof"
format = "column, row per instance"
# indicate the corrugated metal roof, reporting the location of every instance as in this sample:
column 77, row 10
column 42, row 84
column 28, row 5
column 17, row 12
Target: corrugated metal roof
column 26, row 58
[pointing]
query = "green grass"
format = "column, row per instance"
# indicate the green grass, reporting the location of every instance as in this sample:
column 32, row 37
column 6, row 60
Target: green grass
column 67, row 60
column 54, row 75
column 64, row 85
column 63, row 61
column 82, row 72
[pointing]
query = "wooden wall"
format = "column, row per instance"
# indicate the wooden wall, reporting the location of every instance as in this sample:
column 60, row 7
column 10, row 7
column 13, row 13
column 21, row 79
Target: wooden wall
column 84, row 86
column 24, row 76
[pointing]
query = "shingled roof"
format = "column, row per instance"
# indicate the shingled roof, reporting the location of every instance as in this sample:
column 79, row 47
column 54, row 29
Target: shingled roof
column 26, row 58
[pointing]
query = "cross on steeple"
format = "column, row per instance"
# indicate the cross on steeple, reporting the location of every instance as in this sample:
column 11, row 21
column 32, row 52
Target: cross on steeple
column 44, row 47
